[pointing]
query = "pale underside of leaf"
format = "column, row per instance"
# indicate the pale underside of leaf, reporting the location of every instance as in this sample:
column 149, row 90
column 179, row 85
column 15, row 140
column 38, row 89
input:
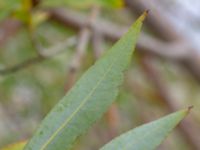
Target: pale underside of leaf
column 88, row 99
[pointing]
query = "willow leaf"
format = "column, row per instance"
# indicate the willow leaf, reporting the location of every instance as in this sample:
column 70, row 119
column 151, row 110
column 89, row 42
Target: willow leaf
column 88, row 99
column 148, row 136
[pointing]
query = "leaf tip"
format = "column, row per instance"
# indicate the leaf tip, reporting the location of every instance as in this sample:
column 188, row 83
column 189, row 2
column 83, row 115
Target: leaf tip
column 144, row 15
column 190, row 108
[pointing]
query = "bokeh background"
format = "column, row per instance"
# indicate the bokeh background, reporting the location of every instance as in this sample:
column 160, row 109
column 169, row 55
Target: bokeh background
column 46, row 45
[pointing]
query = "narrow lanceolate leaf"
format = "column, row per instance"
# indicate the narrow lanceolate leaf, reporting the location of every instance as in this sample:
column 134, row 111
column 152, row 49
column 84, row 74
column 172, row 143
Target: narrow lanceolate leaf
column 16, row 146
column 88, row 99
column 148, row 136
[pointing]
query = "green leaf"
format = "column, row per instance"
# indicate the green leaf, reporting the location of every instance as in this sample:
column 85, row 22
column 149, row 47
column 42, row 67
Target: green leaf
column 85, row 3
column 16, row 146
column 148, row 136
column 88, row 99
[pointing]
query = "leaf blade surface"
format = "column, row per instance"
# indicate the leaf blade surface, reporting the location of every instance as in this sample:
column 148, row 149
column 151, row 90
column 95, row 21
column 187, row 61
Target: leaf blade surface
column 88, row 99
column 148, row 136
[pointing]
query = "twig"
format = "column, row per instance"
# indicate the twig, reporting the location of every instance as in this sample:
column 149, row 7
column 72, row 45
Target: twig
column 46, row 53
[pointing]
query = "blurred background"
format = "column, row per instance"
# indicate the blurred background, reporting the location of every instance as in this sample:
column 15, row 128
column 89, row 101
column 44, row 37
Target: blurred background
column 46, row 45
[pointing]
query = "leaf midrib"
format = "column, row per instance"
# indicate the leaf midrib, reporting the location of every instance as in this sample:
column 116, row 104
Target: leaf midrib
column 78, row 108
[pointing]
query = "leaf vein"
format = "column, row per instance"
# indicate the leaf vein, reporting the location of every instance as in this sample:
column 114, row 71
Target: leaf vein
column 85, row 100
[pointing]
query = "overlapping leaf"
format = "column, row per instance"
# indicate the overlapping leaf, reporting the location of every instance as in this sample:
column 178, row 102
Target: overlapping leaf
column 88, row 99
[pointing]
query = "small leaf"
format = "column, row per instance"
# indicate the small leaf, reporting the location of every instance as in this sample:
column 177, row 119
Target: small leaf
column 90, row 97
column 148, row 136
column 15, row 146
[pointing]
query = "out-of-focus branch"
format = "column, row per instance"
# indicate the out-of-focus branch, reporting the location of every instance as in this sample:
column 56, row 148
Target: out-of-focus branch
column 188, row 126
column 45, row 54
